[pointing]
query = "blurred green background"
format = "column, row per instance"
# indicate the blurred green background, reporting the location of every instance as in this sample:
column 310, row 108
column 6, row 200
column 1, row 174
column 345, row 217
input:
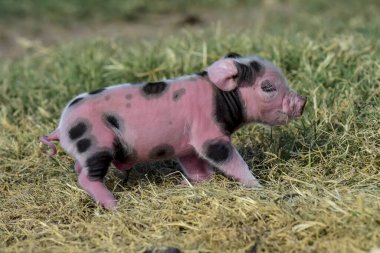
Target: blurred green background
column 32, row 25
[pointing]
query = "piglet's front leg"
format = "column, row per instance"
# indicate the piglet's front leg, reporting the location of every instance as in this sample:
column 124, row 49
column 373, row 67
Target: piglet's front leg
column 223, row 155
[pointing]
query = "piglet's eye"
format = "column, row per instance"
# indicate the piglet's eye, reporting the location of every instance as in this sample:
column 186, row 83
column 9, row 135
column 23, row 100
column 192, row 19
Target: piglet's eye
column 266, row 86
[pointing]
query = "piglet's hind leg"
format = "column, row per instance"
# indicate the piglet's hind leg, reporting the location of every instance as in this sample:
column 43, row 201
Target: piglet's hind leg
column 195, row 168
column 98, row 191
column 91, row 179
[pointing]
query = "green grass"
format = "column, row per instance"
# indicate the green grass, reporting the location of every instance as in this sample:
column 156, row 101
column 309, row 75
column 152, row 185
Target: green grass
column 320, row 173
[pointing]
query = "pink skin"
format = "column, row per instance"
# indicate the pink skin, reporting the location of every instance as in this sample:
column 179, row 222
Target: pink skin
column 98, row 191
column 47, row 140
column 77, row 167
column 182, row 117
column 195, row 168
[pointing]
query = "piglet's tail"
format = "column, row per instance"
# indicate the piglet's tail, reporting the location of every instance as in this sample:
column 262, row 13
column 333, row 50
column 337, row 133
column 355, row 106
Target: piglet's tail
column 47, row 140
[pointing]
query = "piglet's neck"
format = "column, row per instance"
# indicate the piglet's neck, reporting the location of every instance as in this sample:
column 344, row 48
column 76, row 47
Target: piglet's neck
column 229, row 111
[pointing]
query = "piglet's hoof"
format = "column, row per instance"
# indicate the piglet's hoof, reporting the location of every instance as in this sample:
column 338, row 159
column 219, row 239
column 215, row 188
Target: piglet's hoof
column 110, row 204
column 253, row 184
column 106, row 199
column 196, row 180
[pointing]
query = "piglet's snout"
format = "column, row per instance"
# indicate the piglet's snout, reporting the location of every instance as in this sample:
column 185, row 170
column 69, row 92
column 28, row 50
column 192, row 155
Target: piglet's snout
column 294, row 104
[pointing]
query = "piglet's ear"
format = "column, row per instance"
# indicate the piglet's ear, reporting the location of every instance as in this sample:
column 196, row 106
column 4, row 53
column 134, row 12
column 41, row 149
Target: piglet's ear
column 222, row 73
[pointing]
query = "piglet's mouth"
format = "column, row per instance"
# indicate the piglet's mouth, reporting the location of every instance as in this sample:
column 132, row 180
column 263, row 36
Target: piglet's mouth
column 294, row 115
column 282, row 118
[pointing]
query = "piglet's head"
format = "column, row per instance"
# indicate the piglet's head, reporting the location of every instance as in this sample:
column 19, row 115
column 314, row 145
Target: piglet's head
column 263, row 90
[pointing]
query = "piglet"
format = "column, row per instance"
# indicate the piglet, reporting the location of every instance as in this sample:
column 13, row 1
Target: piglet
column 190, row 118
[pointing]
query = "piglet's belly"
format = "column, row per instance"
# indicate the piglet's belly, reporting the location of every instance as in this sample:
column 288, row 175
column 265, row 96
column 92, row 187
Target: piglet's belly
column 161, row 152
column 157, row 145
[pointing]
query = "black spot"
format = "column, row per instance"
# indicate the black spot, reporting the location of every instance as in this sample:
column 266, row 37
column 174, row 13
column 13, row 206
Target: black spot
column 245, row 74
column 122, row 152
column 77, row 131
column 128, row 105
column 229, row 111
column 154, row 89
column 107, row 97
column 96, row 91
column 218, row 151
column 75, row 101
column 161, row 151
column 178, row 94
column 98, row 164
column 129, row 96
column 203, row 73
column 112, row 120
column 257, row 67
column 232, row 55
column 83, row 145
